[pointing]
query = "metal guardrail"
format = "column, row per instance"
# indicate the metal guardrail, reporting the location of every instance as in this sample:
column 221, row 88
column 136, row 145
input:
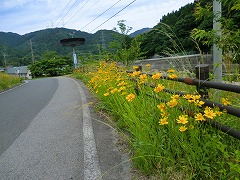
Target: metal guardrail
column 203, row 84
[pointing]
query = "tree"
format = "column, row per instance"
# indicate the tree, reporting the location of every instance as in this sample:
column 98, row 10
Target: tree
column 172, row 34
column 230, row 40
column 125, row 49
column 51, row 64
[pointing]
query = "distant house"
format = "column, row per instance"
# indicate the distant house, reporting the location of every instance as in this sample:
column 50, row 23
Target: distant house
column 21, row 71
column 2, row 69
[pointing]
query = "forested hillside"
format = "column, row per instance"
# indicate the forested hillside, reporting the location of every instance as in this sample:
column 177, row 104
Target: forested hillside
column 172, row 35
column 17, row 48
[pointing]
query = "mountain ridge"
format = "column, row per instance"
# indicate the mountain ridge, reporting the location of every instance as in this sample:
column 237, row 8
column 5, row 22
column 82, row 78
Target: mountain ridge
column 18, row 47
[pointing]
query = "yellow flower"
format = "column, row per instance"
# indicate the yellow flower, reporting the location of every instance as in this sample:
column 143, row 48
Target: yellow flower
column 143, row 76
column 123, row 93
column 123, row 83
column 114, row 90
column 157, row 76
column 175, row 96
column 161, row 107
column 135, row 67
column 164, row 114
column 106, row 94
column 218, row 113
column 159, row 88
column 172, row 76
column 182, row 128
column 121, row 89
column 130, row 97
column 199, row 117
column 119, row 79
column 190, row 100
column 225, row 101
column 148, row 65
column 183, row 119
column 136, row 73
column 195, row 97
column 187, row 96
column 171, row 71
column 199, row 103
column 208, row 112
column 163, row 121
column 95, row 86
column 172, row 103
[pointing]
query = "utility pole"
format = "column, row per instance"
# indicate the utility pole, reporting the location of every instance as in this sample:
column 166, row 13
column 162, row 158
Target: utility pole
column 217, row 52
column 5, row 59
column 103, row 41
column 31, row 49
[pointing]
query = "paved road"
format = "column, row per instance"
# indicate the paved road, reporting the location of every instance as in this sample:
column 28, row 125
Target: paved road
column 49, row 131
column 19, row 106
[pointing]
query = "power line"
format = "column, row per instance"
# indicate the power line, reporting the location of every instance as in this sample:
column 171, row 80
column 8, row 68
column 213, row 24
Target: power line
column 85, row 12
column 111, row 18
column 114, row 15
column 77, row 11
column 101, row 14
column 61, row 12
column 69, row 10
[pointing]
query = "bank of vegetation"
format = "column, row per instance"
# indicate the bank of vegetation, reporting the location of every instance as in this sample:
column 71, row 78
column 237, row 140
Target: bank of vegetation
column 8, row 81
column 167, row 134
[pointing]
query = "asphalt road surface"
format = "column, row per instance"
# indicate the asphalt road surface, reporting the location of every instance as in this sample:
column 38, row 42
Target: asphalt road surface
column 49, row 130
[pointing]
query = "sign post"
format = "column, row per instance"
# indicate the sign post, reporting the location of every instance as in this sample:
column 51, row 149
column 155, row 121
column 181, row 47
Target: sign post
column 72, row 42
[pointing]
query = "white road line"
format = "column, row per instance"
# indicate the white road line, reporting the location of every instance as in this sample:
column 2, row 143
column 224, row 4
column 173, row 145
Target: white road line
column 91, row 162
column 25, row 82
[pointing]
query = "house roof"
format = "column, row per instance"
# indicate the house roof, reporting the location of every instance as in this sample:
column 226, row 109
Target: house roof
column 19, row 70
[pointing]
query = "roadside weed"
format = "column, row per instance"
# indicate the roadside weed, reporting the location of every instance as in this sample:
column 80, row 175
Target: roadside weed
column 168, row 132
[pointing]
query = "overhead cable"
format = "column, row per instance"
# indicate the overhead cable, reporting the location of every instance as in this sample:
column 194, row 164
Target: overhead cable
column 68, row 10
column 84, row 12
column 62, row 12
column 114, row 15
column 101, row 14
column 77, row 11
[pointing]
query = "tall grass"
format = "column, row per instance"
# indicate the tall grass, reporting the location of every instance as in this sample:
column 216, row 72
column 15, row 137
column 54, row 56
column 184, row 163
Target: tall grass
column 169, row 136
column 8, row 81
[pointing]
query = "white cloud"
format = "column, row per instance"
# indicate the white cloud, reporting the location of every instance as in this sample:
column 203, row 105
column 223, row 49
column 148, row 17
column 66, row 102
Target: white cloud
column 24, row 16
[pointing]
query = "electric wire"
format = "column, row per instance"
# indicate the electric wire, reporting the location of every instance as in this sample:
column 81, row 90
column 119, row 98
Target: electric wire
column 68, row 11
column 77, row 11
column 91, row 40
column 114, row 15
column 84, row 12
column 98, row 15
column 62, row 12
column 101, row 14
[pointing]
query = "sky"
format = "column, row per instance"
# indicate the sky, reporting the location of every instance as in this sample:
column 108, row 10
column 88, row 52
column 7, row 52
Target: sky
column 25, row 16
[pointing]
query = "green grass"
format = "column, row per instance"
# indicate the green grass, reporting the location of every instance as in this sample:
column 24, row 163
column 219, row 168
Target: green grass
column 8, row 81
column 158, row 146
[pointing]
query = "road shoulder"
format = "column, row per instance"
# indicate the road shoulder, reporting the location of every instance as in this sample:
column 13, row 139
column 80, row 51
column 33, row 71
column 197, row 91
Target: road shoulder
column 114, row 163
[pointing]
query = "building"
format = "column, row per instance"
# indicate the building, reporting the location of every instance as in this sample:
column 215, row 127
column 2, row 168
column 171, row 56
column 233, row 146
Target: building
column 21, row 71
column 2, row 69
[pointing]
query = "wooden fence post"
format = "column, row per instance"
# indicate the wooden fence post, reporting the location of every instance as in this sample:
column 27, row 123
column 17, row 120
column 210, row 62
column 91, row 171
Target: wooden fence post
column 139, row 68
column 202, row 73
